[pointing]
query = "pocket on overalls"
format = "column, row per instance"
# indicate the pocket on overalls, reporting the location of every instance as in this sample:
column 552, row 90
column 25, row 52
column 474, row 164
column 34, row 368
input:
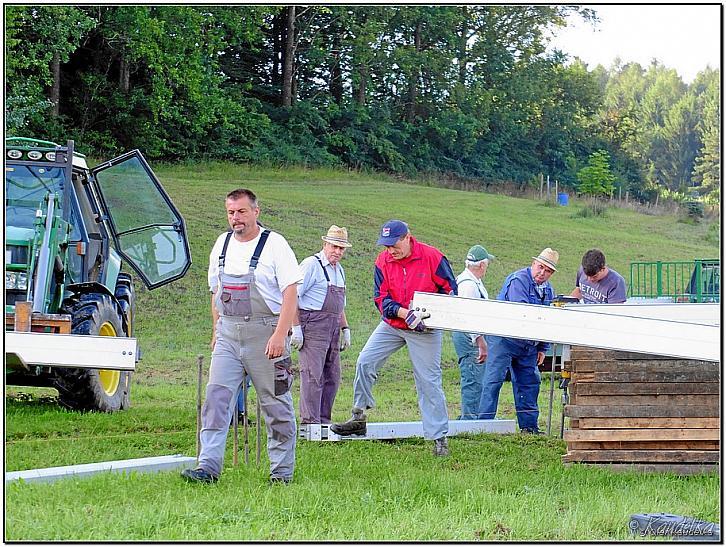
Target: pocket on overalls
column 235, row 300
column 283, row 376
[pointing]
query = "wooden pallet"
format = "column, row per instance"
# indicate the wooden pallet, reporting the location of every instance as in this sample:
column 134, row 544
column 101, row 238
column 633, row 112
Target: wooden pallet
column 631, row 411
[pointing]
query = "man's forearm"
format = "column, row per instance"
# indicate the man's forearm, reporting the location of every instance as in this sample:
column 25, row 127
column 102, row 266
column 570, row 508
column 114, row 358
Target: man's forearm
column 215, row 315
column 288, row 309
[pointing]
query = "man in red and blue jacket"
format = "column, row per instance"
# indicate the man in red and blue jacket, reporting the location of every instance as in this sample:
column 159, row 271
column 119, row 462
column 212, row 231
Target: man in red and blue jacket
column 404, row 267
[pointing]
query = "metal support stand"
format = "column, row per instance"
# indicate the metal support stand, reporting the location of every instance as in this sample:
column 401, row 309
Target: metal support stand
column 235, row 435
column 200, row 374
column 245, row 422
column 564, row 383
column 552, row 388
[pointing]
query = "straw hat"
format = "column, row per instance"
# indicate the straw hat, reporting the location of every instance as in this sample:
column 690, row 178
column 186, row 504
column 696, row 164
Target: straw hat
column 548, row 257
column 337, row 236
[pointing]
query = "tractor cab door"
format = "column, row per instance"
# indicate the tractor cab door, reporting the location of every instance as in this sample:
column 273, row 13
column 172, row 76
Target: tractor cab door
column 147, row 229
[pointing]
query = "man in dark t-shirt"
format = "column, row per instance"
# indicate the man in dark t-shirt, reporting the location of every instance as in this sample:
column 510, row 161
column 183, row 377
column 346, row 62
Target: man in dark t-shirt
column 596, row 283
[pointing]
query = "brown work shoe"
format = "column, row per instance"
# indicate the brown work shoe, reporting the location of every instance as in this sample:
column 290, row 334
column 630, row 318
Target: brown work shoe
column 355, row 426
column 441, row 447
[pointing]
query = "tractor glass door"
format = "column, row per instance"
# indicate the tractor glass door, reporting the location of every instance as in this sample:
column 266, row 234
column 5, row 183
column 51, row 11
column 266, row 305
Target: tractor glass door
column 148, row 230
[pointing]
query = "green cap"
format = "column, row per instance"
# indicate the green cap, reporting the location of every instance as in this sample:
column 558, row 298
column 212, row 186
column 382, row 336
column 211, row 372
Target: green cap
column 478, row 253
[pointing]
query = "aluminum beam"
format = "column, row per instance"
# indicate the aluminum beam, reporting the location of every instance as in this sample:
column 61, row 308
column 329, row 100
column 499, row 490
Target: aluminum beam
column 71, row 350
column 139, row 465
column 568, row 325
column 703, row 314
column 404, row 430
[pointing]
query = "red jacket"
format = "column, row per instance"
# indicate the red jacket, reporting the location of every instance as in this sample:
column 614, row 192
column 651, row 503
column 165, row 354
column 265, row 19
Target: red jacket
column 395, row 281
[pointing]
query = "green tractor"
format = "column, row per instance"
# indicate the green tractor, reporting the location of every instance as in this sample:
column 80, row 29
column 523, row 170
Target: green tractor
column 69, row 230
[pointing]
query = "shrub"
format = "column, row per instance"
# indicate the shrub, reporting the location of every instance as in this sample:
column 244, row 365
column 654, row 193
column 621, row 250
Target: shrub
column 594, row 208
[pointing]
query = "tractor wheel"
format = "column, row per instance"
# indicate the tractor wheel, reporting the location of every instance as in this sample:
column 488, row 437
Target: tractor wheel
column 94, row 314
column 126, row 297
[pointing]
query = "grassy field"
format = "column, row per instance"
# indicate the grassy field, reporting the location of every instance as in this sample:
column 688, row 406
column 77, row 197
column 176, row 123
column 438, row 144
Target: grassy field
column 511, row 487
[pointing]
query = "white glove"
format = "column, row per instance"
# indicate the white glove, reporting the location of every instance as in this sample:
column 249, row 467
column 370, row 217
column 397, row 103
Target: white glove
column 344, row 338
column 297, row 337
column 414, row 319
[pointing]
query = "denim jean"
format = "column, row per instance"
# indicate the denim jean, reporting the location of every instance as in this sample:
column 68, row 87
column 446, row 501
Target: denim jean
column 472, row 374
column 525, row 381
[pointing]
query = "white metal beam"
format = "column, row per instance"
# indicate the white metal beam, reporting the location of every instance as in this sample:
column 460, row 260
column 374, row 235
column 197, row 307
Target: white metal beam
column 568, row 325
column 404, row 430
column 702, row 313
column 71, row 350
column 139, row 465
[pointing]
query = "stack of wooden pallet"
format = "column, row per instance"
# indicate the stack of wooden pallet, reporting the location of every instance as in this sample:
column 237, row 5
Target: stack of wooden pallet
column 643, row 412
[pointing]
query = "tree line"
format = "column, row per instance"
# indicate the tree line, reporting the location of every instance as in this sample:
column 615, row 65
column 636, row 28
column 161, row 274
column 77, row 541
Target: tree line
column 459, row 91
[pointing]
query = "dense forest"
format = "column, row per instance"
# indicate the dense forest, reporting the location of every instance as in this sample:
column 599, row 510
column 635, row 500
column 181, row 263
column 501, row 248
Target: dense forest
column 469, row 92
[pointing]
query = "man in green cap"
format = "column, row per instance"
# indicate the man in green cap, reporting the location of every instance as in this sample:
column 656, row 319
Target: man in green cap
column 471, row 347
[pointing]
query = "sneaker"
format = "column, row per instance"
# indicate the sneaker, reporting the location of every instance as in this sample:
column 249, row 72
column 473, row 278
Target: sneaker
column 532, row 431
column 355, row 426
column 280, row 480
column 441, row 447
column 199, row 475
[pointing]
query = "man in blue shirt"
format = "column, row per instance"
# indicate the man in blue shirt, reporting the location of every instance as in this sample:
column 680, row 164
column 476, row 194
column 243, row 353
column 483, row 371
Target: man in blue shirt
column 320, row 329
column 531, row 286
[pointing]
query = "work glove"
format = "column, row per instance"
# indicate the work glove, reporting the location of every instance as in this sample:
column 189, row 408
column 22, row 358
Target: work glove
column 344, row 338
column 297, row 337
column 414, row 320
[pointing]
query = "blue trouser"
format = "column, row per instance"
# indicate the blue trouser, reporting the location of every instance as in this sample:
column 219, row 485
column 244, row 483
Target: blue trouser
column 241, row 395
column 472, row 374
column 502, row 354
column 424, row 348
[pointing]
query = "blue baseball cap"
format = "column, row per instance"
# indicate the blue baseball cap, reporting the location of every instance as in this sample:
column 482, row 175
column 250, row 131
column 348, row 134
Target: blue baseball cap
column 391, row 232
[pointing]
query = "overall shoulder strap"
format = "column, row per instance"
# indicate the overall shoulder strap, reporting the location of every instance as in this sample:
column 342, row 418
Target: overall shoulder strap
column 224, row 249
column 258, row 250
column 481, row 294
column 327, row 277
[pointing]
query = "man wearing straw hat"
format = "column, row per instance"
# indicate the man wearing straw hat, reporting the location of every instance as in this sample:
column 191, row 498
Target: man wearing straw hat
column 529, row 285
column 320, row 329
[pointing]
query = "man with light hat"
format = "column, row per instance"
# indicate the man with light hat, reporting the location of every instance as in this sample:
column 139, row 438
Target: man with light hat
column 529, row 285
column 471, row 348
column 320, row 329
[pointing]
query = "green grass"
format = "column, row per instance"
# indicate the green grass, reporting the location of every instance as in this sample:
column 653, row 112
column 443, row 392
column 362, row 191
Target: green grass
column 511, row 487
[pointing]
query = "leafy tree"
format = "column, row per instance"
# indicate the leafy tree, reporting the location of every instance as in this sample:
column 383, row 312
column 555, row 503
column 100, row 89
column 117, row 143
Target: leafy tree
column 39, row 39
column 707, row 168
column 596, row 179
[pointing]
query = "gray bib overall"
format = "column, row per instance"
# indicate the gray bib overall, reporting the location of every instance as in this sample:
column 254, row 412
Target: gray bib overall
column 244, row 327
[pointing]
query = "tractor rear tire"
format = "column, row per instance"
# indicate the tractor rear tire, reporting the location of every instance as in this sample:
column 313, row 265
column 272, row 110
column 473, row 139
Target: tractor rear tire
column 94, row 314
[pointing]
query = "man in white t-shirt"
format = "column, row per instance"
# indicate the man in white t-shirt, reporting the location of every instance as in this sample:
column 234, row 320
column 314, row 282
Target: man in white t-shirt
column 471, row 347
column 253, row 276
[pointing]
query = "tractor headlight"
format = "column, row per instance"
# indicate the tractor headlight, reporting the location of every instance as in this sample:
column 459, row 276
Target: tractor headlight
column 16, row 281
